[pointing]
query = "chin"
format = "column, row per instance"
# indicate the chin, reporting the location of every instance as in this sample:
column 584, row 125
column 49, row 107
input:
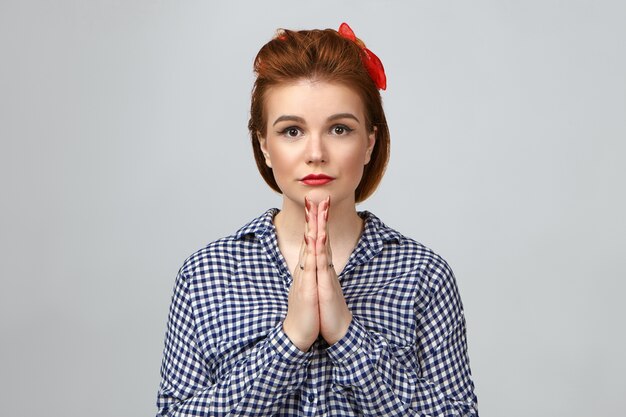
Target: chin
column 317, row 195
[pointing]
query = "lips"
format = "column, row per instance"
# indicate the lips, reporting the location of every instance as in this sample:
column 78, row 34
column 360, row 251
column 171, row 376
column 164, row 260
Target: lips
column 316, row 179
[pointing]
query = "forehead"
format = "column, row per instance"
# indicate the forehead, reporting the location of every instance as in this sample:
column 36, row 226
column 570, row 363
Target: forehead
column 312, row 100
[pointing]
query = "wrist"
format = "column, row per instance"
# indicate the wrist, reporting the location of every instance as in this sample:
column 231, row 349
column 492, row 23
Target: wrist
column 340, row 332
column 298, row 341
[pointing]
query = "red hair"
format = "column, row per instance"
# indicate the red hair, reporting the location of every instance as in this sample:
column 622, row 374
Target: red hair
column 325, row 56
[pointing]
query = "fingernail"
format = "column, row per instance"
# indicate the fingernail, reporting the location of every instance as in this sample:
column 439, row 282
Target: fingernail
column 306, row 209
column 327, row 206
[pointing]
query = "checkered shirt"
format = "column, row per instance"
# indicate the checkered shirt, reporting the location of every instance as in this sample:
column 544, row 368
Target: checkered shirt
column 405, row 352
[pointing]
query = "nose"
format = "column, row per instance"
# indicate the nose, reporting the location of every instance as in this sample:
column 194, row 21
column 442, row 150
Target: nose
column 315, row 150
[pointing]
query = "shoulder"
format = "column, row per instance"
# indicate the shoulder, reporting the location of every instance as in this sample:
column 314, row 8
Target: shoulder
column 221, row 257
column 413, row 257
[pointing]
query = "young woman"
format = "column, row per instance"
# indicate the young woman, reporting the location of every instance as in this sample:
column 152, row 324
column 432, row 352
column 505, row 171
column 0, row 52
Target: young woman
column 316, row 308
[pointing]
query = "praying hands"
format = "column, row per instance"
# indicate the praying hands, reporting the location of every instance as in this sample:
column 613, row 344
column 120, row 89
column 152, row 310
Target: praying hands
column 316, row 305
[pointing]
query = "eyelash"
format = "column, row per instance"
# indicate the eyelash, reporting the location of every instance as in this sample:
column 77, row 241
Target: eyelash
column 285, row 131
column 346, row 130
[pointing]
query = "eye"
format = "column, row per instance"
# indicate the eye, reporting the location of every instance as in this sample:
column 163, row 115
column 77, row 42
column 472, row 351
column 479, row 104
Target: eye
column 340, row 130
column 291, row 132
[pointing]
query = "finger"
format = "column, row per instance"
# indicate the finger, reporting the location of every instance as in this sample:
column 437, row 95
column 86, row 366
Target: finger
column 309, row 260
column 326, row 216
column 301, row 259
column 308, row 272
column 307, row 215
column 329, row 252
column 312, row 212
column 322, row 225
column 323, row 242
column 309, row 235
column 324, row 263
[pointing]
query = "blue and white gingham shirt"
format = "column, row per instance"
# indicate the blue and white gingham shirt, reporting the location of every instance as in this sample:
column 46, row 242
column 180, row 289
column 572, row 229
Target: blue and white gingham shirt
column 405, row 353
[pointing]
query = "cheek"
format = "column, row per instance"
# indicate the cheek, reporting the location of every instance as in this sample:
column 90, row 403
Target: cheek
column 283, row 165
column 281, row 160
column 355, row 166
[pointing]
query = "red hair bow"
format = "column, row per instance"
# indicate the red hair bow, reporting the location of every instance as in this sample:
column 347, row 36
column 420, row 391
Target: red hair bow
column 370, row 60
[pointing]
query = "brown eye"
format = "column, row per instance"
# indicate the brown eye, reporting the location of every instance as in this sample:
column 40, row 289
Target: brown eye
column 291, row 132
column 340, row 130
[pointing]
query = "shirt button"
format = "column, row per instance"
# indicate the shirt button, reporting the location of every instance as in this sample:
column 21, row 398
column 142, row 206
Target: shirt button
column 311, row 398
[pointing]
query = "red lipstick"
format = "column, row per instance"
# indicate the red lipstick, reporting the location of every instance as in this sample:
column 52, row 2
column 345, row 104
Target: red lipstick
column 316, row 179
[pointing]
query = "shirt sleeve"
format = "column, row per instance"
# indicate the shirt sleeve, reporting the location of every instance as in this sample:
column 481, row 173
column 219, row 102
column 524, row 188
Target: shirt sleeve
column 257, row 385
column 437, row 383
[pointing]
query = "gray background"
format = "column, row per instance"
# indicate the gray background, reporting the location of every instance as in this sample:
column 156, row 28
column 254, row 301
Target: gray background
column 124, row 149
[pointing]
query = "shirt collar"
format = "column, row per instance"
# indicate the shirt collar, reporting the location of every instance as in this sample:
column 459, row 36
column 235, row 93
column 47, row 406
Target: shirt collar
column 258, row 227
column 375, row 232
column 375, row 229
column 375, row 235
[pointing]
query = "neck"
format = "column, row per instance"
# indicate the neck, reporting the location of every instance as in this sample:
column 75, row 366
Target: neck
column 344, row 223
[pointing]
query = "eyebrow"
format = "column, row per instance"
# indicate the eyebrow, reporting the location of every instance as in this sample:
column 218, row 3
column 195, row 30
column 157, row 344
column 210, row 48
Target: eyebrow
column 289, row 118
column 343, row 116
column 292, row 118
